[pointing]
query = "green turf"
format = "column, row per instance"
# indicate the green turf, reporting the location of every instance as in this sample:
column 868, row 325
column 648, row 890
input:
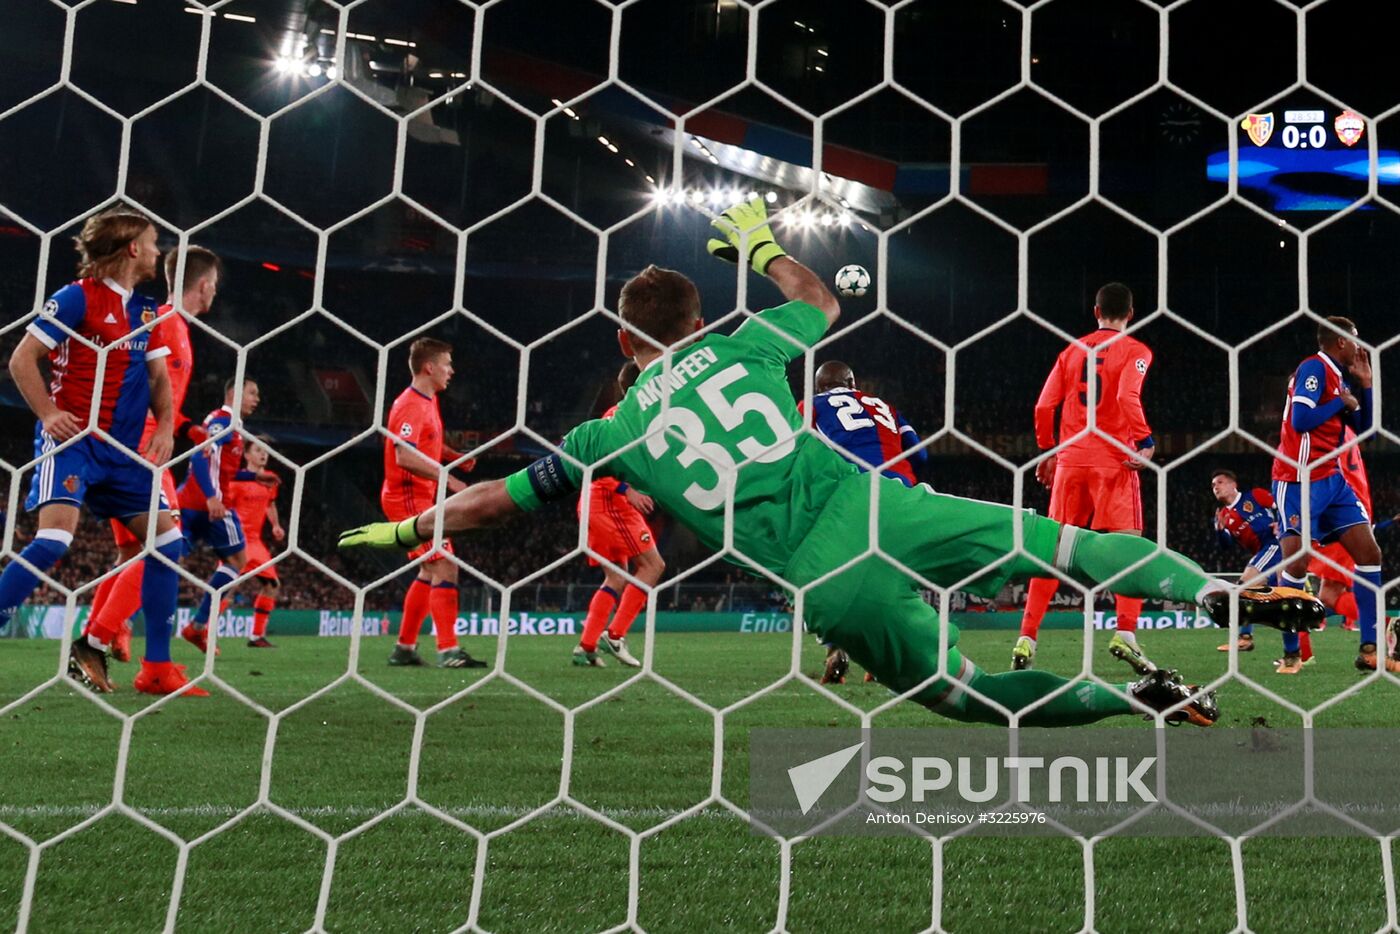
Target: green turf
column 639, row 756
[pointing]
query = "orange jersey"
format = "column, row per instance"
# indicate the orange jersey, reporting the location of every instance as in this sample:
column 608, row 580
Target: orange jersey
column 173, row 333
column 251, row 499
column 414, row 419
column 1121, row 368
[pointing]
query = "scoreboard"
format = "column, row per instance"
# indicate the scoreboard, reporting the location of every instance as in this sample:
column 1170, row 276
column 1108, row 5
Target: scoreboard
column 1304, row 159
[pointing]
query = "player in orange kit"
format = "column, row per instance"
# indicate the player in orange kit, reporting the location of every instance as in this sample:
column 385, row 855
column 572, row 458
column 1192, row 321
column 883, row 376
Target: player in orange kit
column 413, row 459
column 1094, row 482
column 119, row 597
column 255, row 501
column 618, row 532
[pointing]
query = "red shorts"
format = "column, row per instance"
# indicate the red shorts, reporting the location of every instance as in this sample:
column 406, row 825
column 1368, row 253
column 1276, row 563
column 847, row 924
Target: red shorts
column 1325, row 571
column 258, row 556
column 398, row 515
column 1105, row 499
column 616, row 530
column 123, row 535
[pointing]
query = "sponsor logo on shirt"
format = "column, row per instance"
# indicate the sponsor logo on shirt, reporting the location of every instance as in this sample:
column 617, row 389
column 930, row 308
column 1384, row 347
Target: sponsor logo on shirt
column 50, row 308
column 406, row 429
column 1310, row 383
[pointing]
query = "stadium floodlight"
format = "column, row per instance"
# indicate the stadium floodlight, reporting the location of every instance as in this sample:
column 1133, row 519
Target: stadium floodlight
column 845, row 219
column 697, row 197
column 828, row 219
column 771, row 197
column 332, row 72
column 315, row 70
column 716, row 196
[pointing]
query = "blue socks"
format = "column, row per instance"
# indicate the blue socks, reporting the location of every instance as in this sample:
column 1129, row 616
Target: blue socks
column 160, row 589
column 1366, row 600
column 223, row 576
column 18, row 581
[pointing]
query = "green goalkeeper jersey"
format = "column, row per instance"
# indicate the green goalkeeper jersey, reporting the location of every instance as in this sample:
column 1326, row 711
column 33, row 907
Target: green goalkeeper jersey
column 720, row 424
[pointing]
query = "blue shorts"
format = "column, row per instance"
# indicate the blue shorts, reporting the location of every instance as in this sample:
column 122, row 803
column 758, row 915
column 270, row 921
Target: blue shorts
column 1333, row 507
column 93, row 473
column 1267, row 559
column 224, row 535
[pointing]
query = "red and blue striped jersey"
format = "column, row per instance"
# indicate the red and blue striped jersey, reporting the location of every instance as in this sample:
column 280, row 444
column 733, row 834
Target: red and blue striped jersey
column 1251, row 520
column 105, row 314
column 865, row 428
column 1316, row 385
column 213, row 470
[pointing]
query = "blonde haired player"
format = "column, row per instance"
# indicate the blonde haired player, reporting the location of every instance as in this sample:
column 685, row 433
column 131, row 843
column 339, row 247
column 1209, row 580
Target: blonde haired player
column 255, row 501
column 119, row 597
column 413, row 458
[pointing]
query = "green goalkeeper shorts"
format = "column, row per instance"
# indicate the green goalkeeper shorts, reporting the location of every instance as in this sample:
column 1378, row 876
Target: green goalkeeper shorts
column 874, row 608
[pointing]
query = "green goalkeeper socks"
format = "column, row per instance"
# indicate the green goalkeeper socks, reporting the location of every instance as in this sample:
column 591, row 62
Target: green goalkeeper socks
column 1096, row 557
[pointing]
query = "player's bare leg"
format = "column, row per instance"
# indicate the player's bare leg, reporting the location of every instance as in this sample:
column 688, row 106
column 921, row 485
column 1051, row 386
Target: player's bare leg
column 442, row 605
column 647, row 567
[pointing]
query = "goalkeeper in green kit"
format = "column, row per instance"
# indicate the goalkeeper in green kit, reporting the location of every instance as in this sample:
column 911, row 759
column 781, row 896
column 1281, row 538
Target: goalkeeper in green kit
column 714, row 422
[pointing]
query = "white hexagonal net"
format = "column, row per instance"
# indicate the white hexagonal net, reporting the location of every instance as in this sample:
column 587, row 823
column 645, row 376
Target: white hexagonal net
column 51, row 244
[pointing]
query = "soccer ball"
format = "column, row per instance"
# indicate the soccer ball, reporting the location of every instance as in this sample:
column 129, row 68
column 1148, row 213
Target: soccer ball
column 852, row 280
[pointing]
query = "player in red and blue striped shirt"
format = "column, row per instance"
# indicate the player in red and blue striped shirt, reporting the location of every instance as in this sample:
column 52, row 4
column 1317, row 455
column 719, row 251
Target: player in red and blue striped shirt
column 869, row 433
column 105, row 376
column 1317, row 411
column 866, row 430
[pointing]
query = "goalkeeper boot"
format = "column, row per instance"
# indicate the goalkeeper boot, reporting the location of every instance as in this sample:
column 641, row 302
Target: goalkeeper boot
column 1162, row 689
column 837, row 664
column 586, row 659
column 1285, row 608
column 1245, row 643
column 869, row 678
column 165, row 678
column 1127, row 650
column 88, row 667
column 457, row 658
column 1023, row 654
column 617, row 648
column 405, row 656
column 121, row 645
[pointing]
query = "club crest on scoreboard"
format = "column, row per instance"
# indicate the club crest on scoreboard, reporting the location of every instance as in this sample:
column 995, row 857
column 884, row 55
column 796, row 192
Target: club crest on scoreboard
column 1349, row 126
column 1259, row 127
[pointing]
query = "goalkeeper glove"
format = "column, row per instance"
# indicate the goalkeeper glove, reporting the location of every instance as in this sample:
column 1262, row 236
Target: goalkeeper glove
column 750, row 217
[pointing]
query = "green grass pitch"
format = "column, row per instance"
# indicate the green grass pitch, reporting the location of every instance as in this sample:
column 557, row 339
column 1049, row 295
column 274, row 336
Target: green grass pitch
column 639, row 757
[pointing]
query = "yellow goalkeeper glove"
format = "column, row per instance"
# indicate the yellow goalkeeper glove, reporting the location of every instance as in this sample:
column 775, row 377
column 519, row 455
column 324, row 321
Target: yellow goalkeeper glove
column 749, row 217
